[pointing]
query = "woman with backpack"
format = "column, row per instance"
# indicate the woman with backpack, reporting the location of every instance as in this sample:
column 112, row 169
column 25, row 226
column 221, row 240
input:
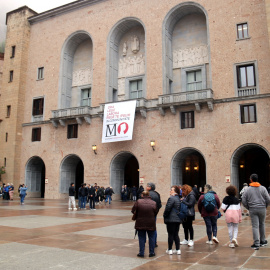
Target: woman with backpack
column 172, row 220
column 189, row 200
column 208, row 206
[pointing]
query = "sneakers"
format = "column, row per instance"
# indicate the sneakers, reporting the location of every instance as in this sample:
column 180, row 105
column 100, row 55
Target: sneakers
column 231, row 245
column 234, row 241
column 215, row 240
column 209, row 242
column 140, row 255
column 263, row 243
column 178, row 252
column 169, row 252
column 185, row 242
column 152, row 255
column 74, row 209
column 255, row 247
column 190, row 243
column 94, row 209
column 69, row 208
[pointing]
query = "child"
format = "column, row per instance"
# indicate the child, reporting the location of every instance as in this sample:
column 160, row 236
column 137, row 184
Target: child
column 233, row 216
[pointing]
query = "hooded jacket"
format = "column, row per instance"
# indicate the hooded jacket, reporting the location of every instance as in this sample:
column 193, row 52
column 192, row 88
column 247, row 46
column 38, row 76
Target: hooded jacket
column 255, row 196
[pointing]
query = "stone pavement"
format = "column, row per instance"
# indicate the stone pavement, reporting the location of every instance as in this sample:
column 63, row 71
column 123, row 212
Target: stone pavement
column 43, row 234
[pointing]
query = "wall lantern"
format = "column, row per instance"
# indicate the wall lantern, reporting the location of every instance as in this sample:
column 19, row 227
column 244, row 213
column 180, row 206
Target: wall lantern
column 94, row 147
column 153, row 144
column 196, row 168
column 241, row 166
column 187, row 168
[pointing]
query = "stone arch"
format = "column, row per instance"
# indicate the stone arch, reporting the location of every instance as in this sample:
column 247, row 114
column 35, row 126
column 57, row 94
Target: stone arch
column 71, row 171
column 195, row 161
column 113, row 43
column 35, row 177
column 66, row 68
column 250, row 166
column 169, row 23
column 117, row 170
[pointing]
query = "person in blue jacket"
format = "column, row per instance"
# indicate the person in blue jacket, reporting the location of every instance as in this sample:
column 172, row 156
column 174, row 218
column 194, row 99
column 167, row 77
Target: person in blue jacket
column 23, row 189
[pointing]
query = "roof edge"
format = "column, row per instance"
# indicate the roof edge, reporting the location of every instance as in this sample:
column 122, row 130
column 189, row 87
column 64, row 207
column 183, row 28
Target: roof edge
column 18, row 10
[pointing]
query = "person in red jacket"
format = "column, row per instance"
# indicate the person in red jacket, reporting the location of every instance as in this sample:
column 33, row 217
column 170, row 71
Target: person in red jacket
column 145, row 211
column 210, row 217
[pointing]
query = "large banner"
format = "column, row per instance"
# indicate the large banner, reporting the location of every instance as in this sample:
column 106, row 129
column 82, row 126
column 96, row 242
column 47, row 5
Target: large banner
column 118, row 121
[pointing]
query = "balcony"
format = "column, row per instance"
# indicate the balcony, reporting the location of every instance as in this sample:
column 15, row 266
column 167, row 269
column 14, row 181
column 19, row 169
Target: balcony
column 186, row 98
column 247, row 91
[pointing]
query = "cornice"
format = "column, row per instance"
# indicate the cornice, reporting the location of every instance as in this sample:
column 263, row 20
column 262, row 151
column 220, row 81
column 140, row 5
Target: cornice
column 62, row 10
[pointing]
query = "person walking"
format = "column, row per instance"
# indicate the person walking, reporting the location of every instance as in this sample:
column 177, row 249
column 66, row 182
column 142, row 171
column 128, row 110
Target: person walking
column 23, row 189
column 108, row 193
column 189, row 199
column 172, row 220
column 208, row 206
column 256, row 200
column 233, row 216
column 71, row 199
column 245, row 186
column 145, row 211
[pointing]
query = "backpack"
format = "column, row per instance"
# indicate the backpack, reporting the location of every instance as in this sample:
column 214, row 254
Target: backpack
column 183, row 212
column 209, row 202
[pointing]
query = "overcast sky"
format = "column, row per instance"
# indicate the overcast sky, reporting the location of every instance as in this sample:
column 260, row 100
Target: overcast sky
column 37, row 5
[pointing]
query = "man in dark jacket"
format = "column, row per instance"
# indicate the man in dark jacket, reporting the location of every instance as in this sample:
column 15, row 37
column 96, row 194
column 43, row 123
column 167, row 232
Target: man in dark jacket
column 71, row 200
column 155, row 197
column 145, row 210
column 92, row 194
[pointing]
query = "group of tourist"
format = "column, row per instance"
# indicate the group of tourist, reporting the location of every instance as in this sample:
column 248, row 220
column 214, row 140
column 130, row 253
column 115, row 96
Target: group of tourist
column 131, row 193
column 180, row 210
column 92, row 194
column 7, row 192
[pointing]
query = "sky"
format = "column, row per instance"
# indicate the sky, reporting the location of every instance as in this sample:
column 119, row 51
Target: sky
column 36, row 5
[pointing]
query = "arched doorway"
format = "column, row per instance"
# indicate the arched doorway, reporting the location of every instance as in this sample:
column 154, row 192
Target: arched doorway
column 124, row 171
column 71, row 171
column 35, row 177
column 248, row 159
column 188, row 167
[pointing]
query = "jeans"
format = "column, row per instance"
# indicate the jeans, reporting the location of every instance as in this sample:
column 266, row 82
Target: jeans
column 173, row 230
column 211, row 226
column 79, row 201
column 188, row 228
column 142, row 241
column 83, row 202
column 257, row 220
column 92, row 203
column 22, row 197
column 108, row 197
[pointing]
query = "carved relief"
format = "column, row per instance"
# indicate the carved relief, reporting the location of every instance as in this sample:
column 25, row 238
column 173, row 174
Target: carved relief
column 125, row 47
column 121, row 86
column 190, row 56
column 135, row 44
column 131, row 66
column 82, row 76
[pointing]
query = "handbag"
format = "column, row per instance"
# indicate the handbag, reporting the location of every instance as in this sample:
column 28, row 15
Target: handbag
column 134, row 217
column 219, row 214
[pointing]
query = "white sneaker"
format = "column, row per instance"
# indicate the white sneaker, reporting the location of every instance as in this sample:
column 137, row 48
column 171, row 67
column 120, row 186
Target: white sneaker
column 74, row 209
column 69, row 208
column 215, row 240
column 234, row 241
column 209, row 242
column 178, row 252
column 190, row 243
column 231, row 245
column 169, row 252
column 185, row 242
column 94, row 209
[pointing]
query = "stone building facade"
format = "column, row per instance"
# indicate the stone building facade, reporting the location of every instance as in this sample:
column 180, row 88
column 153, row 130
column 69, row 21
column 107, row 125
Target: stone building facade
column 199, row 73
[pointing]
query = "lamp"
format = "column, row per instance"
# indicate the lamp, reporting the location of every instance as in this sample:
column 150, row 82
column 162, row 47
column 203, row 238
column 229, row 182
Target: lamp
column 153, row 144
column 196, row 168
column 94, row 148
column 187, row 168
column 241, row 166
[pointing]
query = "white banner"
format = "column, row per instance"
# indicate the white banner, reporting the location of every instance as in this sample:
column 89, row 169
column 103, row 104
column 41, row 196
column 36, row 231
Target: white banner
column 118, row 121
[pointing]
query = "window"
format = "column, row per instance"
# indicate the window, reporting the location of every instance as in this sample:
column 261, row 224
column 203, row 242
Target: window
column 187, row 120
column 6, row 136
column 248, row 113
column 36, row 134
column 246, row 76
column 5, row 162
column 72, row 131
column 115, row 95
column 40, row 73
column 11, row 76
column 242, row 31
column 86, row 97
column 38, row 106
column 194, row 80
column 8, row 110
column 13, row 51
column 136, row 89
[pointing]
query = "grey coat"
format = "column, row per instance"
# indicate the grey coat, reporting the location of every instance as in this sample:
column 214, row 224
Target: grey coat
column 170, row 214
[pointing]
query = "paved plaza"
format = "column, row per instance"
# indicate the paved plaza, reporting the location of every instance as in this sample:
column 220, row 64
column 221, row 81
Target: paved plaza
column 43, row 234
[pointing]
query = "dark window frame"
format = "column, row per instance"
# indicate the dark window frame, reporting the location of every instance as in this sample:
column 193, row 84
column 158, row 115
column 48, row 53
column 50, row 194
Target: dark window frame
column 36, row 134
column 11, row 75
column 242, row 30
column 72, row 131
column 13, row 49
column 239, row 79
column 247, row 113
column 40, row 75
column 6, row 136
column 8, row 111
column 38, row 106
column 187, row 120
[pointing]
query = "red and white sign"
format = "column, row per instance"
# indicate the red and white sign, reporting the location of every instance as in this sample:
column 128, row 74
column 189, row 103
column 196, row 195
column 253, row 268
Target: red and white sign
column 118, row 121
column 228, row 179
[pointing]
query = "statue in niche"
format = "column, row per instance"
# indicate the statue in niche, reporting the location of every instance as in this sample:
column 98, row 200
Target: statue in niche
column 125, row 47
column 135, row 44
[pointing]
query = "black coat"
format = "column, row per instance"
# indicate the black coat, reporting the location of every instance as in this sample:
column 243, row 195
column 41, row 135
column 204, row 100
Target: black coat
column 155, row 197
column 170, row 214
column 190, row 201
column 91, row 192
